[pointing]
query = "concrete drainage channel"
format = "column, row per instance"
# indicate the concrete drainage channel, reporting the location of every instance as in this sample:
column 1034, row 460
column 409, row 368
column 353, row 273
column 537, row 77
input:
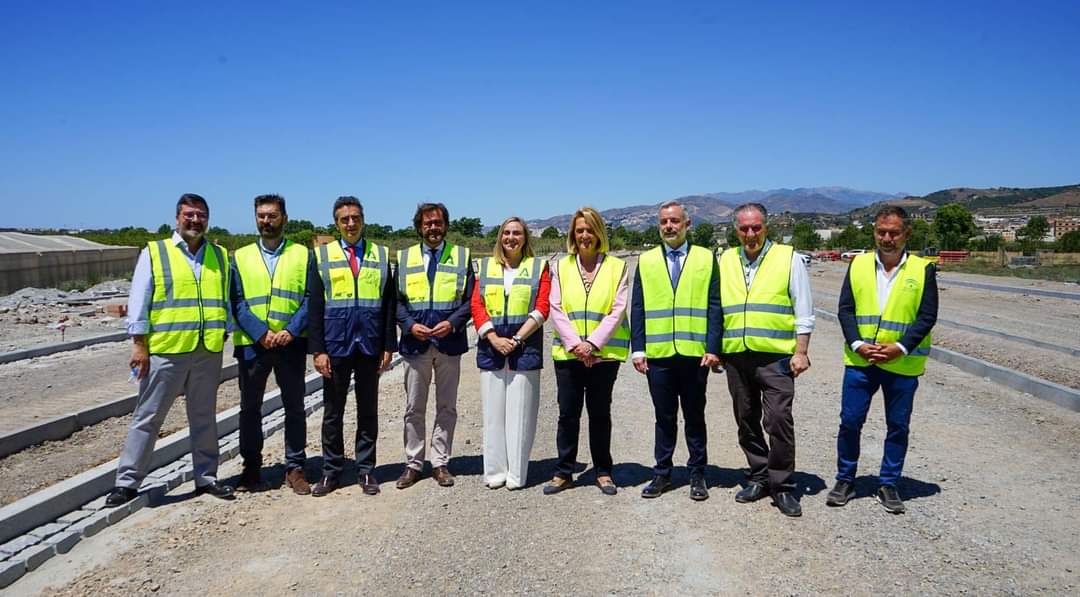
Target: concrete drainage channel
column 63, row 426
column 29, row 353
column 54, row 520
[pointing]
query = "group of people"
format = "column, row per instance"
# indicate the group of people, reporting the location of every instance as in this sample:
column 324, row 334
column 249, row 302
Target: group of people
column 748, row 314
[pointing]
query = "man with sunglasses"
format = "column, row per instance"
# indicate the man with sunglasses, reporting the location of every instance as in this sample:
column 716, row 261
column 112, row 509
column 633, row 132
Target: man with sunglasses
column 888, row 305
column 768, row 319
column 178, row 319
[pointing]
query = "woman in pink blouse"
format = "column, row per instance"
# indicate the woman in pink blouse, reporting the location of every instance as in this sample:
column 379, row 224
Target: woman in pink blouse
column 592, row 339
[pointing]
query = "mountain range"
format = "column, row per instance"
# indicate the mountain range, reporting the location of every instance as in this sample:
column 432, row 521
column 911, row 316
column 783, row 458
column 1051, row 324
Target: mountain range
column 717, row 207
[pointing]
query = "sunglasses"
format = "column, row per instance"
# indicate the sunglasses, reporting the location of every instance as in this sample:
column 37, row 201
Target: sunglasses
column 746, row 229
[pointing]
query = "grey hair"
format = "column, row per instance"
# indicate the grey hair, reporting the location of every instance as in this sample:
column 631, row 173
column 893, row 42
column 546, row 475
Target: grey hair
column 751, row 207
column 668, row 204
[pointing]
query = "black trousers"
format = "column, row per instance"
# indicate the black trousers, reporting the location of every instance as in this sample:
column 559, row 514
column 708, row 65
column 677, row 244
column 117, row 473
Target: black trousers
column 762, row 390
column 288, row 365
column 674, row 381
column 364, row 371
column 589, row 386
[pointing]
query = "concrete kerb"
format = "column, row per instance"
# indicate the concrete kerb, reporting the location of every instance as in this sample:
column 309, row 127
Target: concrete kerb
column 29, row 353
column 86, row 490
column 63, row 426
column 1039, row 388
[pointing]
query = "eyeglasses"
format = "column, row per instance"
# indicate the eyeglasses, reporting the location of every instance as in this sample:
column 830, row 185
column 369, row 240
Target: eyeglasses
column 191, row 216
column 755, row 228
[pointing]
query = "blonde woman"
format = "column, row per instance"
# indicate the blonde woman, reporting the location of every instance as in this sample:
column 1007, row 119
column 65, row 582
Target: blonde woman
column 588, row 309
column 509, row 307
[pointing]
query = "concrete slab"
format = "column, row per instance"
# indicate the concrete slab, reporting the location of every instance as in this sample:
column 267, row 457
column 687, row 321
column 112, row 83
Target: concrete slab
column 63, row 542
column 11, row 571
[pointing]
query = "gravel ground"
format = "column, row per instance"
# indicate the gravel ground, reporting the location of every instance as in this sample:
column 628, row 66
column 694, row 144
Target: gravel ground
column 973, row 524
column 1041, row 318
column 29, row 317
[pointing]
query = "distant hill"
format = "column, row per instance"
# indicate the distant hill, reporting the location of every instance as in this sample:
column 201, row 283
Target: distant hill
column 717, row 207
column 976, row 199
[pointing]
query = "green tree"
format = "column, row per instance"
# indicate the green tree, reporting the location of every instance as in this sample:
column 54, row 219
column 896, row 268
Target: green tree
column 988, row 243
column 218, row 232
column 920, row 235
column 651, row 235
column 470, row 227
column 702, row 235
column 1035, row 230
column 294, row 226
column 953, row 226
column 551, row 232
column 165, row 229
column 852, row 237
column 1069, row 242
column 732, row 237
column 804, row 237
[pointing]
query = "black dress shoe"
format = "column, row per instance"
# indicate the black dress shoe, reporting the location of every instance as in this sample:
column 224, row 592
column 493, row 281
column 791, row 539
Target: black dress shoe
column 657, row 486
column 368, row 484
column 890, row 499
column 698, row 491
column 120, row 496
column 751, row 493
column 840, row 494
column 251, row 479
column 788, row 505
column 216, row 489
column 324, row 486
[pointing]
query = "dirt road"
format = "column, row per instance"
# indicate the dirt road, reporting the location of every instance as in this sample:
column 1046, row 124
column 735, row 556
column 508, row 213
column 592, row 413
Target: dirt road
column 991, row 481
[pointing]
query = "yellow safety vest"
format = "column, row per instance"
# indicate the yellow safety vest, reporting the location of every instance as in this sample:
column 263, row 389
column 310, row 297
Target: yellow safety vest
column 676, row 320
column 450, row 276
column 901, row 309
column 587, row 308
column 515, row 308
column 760, row 319
column 341, row 289
column 275, row 300
column 185, row 311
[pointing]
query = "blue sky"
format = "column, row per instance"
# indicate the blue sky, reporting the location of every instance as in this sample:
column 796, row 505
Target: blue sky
column 111, row 110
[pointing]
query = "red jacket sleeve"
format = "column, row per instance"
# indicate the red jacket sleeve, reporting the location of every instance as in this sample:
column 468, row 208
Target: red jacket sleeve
column 543, row 302
column 479, row 311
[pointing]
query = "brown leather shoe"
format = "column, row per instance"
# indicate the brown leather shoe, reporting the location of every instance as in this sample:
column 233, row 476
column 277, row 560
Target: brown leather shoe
column 368, row 484
column 407, row 478
column 295, row 479
column 442, row 476
column 324, row 487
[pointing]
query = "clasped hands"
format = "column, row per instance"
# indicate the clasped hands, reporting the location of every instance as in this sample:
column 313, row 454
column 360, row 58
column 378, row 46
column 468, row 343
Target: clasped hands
column 271, row 340
column 423, row 333
column 879, row 353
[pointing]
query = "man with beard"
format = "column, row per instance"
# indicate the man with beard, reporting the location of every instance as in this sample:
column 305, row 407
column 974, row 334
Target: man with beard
column 435, row 281
column 351, row 333
column 888, row 306
column 768, row 319
column 270, row 304
column 675, row 334
column 178, row 320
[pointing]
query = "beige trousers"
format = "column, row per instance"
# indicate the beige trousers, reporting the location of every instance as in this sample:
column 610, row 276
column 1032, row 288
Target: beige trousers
column 420, row 371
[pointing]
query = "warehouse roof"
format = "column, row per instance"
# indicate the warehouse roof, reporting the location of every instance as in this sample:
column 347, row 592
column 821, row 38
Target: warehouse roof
column 20, row 242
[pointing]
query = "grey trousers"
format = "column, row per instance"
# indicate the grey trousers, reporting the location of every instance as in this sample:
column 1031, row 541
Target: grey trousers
column 419, row 370
column 196, row 375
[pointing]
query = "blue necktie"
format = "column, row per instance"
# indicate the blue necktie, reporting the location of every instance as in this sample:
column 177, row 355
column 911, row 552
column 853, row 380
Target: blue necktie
column 676, row 268
column 431, row 265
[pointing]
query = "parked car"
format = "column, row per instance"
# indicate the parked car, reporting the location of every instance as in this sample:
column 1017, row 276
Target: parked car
column 849, row 255
column 827, row 255
column 806, row 258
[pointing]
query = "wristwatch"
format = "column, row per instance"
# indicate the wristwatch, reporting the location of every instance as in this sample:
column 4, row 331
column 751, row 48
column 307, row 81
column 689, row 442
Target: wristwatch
column 517, row 340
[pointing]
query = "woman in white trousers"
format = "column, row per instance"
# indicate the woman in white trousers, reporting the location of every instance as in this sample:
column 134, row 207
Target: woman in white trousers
column 509, row 307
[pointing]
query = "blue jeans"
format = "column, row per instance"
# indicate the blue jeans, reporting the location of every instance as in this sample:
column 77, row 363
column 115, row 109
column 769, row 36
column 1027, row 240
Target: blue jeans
column 860, row 383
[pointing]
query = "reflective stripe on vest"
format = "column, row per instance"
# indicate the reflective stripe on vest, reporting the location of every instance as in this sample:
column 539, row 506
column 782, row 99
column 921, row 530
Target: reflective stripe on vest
column 762, row 318
column 515, row 308
column 183, row 310
column 341, row 289
column 901, row 309
column 676, row 321
column 587, row 308
column 450, row 276
column 273, row 301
